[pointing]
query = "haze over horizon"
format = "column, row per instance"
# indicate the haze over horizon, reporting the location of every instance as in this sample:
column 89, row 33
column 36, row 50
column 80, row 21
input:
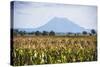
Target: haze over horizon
column 36, row 14
column 58, row 25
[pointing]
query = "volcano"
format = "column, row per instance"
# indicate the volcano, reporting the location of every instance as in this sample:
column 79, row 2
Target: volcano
column 58, row 24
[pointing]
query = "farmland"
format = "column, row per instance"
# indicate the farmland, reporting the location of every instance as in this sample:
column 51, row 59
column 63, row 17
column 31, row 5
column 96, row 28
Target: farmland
column 33, row 50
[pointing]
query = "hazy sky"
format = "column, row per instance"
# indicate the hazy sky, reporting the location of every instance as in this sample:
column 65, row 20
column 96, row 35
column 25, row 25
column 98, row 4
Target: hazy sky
column 33, row 15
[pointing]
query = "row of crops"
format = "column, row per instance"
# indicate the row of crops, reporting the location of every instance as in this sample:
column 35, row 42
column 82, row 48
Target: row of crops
column 52, row 50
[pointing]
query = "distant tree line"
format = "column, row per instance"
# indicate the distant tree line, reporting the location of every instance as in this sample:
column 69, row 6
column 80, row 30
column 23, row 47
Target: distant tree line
column 36, row 33
column 51, row 33
column 93, row 32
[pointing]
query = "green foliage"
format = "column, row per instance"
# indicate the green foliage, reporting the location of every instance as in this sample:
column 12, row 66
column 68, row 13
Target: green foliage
column 93, row 31
column 45, row 33
column 51, row 33
column 37, row 33
column 84, row 32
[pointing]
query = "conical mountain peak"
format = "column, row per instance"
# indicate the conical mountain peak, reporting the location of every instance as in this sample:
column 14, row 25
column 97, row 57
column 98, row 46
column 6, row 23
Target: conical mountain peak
column 60, row 24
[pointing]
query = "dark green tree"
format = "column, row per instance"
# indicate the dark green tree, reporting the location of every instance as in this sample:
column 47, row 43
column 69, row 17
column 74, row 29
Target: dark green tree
column 84, row 32
column 51, row 33
column 37, row 33
column 31, row 33
column 93, row 31
column 44, row 33
column 22, row 33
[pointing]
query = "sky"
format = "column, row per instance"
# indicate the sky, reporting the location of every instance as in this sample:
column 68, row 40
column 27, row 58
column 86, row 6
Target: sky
column 36, row 14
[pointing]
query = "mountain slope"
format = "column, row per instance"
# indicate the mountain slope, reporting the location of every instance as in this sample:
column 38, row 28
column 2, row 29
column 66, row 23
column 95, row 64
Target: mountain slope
column 59, row 25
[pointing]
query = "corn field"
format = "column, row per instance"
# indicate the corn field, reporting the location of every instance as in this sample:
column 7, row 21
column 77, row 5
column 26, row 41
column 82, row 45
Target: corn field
column 33, row 50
